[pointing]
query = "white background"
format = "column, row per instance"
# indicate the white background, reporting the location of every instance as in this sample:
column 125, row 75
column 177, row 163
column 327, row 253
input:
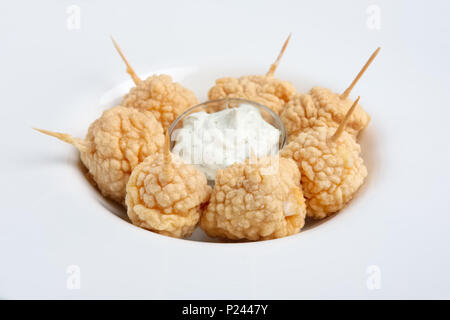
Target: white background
column 56, row 78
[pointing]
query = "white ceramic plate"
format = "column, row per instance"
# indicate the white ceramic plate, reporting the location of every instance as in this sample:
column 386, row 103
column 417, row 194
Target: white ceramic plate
column 390, row 242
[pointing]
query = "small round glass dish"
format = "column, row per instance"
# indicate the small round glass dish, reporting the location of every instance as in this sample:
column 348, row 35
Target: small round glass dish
column 214, row 143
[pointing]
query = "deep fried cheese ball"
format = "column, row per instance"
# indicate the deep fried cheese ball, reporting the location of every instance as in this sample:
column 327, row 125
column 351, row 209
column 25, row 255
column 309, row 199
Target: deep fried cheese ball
column 266, row 90
column 321, row 107
column 116, row 143
column 251, row 202
column 161, row 96
column 332, row 170
column 166, row 197
column 332, row 109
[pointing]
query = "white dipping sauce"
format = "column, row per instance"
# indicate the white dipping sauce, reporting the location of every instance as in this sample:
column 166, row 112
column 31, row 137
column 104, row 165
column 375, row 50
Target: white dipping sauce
column 213, row 141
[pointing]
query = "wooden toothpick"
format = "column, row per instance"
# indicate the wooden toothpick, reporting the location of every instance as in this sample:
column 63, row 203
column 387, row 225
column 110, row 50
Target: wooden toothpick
column 349, row 89
column 274, row 65
column 80, row 144
column 130, row 70
column 344, row 121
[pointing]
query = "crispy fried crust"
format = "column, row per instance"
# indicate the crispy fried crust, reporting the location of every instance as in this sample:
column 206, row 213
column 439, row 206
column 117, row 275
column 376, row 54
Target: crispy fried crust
column 163, row 97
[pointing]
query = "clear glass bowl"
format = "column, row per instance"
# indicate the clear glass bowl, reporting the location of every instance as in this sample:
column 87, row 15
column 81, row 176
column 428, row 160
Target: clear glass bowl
column 222, row 104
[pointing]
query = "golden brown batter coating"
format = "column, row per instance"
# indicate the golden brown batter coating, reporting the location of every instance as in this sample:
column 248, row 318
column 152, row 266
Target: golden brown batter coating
column 332, row 109
column 266, row 90
column 161, row 96
column 321, row 107
column 331, row 167
column 299, row 114
column 250, row 202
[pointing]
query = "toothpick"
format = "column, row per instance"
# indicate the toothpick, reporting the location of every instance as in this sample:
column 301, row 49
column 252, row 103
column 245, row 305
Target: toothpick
column 274, row 65
column 80, row 144
column 349, row 89
column 344, row 121
column 130, row 70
